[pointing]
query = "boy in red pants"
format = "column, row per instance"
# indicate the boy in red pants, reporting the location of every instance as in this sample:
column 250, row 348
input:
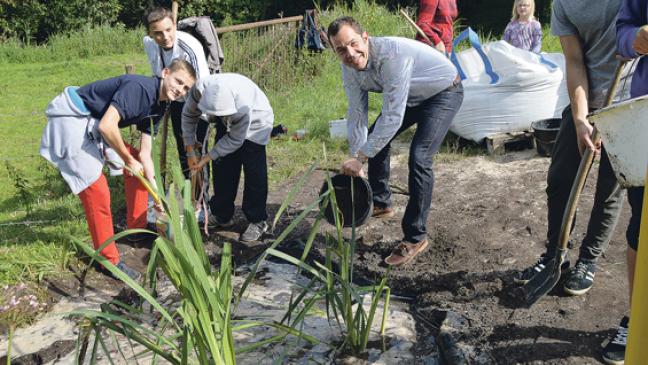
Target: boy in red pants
column 82, row 134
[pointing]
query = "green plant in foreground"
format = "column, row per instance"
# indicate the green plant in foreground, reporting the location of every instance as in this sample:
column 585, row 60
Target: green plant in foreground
column 24, row 187
column 201, row 329
column 331, row 280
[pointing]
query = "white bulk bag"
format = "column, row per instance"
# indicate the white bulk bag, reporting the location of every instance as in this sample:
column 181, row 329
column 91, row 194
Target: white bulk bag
column 506, row 88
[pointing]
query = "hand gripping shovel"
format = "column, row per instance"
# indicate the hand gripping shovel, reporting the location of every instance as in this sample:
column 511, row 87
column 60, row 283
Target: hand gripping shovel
column 545, row 280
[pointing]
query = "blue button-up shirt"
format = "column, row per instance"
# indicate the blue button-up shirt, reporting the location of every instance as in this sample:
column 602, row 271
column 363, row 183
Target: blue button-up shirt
column 407, row 72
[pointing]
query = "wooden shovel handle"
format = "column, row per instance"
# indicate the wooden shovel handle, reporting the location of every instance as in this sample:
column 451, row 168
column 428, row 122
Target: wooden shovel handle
column 418, row 29
column 583, row 169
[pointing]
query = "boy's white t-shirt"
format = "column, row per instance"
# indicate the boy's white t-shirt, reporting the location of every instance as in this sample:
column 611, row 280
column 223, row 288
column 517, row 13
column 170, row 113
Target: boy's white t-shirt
column 186, row 47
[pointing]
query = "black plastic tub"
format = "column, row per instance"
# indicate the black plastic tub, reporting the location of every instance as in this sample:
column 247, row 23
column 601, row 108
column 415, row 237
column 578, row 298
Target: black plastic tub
column 354, row 199
column 545, row 132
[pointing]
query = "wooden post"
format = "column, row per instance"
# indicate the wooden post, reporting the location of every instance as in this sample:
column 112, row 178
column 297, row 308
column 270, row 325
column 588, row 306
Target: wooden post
column 130, row 69
column 418, row 29
column 165, row 118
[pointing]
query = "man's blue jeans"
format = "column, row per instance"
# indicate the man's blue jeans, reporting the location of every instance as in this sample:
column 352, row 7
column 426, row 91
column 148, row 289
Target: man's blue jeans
column 432, row 118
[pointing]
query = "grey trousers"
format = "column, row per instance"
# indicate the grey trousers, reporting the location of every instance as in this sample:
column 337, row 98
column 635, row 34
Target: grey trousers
column 608, row 198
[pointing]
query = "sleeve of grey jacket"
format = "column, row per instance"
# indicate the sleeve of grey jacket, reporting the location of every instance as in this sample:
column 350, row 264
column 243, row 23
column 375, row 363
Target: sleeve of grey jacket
column 233, row 140
column 357, row 113
column 190, row 117
column 397, row 75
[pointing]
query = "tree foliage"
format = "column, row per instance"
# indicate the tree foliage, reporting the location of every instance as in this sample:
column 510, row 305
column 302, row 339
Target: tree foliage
column 35, row 20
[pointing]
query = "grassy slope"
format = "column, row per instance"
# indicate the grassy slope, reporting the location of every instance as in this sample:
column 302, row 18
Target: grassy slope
column 25, row 90
column 33, row 76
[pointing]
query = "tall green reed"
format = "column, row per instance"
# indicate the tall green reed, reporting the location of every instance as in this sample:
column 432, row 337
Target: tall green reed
column 332, row 280
column 201, row 329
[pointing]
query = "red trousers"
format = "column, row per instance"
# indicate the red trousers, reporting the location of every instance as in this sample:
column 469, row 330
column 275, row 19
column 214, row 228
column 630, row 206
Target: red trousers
column 96, row 203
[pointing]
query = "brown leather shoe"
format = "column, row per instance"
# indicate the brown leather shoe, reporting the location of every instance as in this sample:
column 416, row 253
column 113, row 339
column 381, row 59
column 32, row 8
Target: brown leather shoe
column 385, row 212
column 405, row 252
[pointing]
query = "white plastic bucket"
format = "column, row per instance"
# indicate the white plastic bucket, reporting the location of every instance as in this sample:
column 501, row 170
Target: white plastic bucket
column 624, row 132
column 338, row 128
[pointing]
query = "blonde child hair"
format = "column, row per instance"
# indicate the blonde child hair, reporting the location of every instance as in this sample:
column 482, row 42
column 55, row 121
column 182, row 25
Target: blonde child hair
column 514, row 13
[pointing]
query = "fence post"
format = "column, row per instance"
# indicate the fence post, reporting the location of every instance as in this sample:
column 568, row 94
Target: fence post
column 165, row 118
column 130, row 69
column 638, row 331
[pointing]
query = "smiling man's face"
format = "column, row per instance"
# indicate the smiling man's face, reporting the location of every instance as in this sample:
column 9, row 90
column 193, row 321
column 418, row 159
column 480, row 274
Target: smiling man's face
column 163, row 32
column 352, row 48
column 175, row 84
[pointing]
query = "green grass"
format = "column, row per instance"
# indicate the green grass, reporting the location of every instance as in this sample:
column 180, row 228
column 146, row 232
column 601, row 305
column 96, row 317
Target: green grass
column 304, row 89
column 30, row 250
column 550, row 43
column 86, row 43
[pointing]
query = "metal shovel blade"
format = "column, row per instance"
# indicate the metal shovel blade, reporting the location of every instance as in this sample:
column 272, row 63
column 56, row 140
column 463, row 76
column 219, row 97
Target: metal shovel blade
column 544, row 281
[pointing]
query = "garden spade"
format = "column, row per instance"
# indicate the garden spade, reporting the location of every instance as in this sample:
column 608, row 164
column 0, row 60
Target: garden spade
column 546, row 279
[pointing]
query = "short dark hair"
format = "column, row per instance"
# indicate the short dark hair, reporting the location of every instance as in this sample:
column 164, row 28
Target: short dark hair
column 180, row 64
column 156, row 14
column 338, row 23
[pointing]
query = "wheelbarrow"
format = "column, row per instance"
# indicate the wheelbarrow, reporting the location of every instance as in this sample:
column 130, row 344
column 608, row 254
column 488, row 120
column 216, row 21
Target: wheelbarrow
column 624, row 132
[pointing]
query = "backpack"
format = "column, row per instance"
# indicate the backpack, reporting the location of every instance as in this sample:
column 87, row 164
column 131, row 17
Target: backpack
column 202, row 28
column 310, row 34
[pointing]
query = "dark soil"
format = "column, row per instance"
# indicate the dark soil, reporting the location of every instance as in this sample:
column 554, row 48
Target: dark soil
column 53, row 352
column 488, row 220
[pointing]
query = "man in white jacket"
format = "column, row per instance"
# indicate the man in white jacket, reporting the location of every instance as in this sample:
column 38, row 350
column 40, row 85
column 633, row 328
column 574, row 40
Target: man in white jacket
column 163, row 44
column 244, row 119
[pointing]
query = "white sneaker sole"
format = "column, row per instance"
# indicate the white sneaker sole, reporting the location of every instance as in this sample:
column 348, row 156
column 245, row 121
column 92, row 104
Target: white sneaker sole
column 576, row 292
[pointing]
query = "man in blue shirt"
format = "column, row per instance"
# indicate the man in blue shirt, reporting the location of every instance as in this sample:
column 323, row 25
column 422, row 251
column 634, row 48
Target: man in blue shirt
column 419, row 86
column 82, row 134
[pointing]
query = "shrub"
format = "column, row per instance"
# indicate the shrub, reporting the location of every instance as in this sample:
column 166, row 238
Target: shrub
column 87, row 42
column 35, row 20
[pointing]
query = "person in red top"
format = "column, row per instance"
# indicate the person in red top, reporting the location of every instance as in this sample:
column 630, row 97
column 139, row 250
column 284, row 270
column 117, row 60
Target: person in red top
column 435, row 19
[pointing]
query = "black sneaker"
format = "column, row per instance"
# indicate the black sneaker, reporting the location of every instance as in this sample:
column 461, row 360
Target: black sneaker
column 580, row 278
column 132, row 273
column 141, row 237
column 524, row 276
column 213, row 223
column 614, row 350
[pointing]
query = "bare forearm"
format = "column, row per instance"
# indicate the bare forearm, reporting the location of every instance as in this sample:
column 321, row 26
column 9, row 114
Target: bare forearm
column 146, row 147
column 114, row 139
column 577, row 86
column 577, row 82
column 149, row 170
